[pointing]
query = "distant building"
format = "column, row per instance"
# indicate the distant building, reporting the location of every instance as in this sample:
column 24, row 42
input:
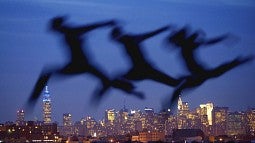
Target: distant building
column 46, row 106
column 171, row 123
column 183, row 135
column 250, row 118
column 134, row 121
column 67, row 119
column 160, row 120
column 79, row 128
column 204, row 112
column 67, row 129
column 148, row 119
column 90, row 126
column 182, row 114
column 123, row 122
column 194, row 121
column 123, row 115
column 149, row 111
column 183, row 107
column 110, row 115
column 30, row 132
column 206, row 109
column 110, row 122
column 220, row 118
column 150, row 137
column 236, row 124
column 20, row 117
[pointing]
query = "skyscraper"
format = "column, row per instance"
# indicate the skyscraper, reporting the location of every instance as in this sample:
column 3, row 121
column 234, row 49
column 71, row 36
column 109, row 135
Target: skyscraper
column 207, row 110
column 46, row 106
column 110, row 120
column 250, row 117
column 179, row 104
column 182, row 114
column 219, row 120
column 20, row 117
column 183, row 107
column 236, row 123
column 67, row 119
column 90, row 126
column 110, row 115
column 148, row 118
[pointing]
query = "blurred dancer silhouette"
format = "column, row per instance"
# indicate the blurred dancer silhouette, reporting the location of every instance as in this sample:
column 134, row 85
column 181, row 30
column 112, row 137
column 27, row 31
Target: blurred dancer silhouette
column 79, row 62
column 199, row 72
column 141, row 68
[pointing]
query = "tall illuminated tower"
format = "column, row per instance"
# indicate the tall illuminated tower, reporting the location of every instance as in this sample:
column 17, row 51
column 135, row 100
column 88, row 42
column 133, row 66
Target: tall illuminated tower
column 207, row 110
column 46, row 106
column 20, row 117
column 183, row 107
column 182, row 114
column 179, row 104
column 110, row 115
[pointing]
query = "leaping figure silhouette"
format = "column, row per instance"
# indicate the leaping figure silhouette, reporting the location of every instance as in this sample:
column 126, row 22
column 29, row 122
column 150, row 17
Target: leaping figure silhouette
column 188, row 45
column 141, row 68
column 79, row 61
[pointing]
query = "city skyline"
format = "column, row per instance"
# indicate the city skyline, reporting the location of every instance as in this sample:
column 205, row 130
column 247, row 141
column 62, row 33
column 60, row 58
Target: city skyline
column 27, row 45
column 182, row 105
column 205, row 123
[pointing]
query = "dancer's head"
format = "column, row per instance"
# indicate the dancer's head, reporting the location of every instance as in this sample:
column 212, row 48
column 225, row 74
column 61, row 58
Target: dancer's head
column 116, row 33
column 178, row 37
column 57, row 22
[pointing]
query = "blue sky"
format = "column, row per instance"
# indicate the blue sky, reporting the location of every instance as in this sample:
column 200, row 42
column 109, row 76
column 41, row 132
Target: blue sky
column 27, row 46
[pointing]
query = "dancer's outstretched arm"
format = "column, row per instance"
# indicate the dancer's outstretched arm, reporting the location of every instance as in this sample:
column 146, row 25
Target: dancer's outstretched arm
column 86, row 28
column 151, row 34
column 216, row 39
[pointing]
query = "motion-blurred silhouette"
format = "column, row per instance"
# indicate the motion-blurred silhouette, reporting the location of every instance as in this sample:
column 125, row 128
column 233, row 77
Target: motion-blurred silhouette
column 79, row 61
column 199, row 72
column 141, row 68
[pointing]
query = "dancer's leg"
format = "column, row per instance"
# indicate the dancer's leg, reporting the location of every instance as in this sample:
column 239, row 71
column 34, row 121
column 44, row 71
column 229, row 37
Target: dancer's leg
column 40, row 84
column 161, row 77
column 228, row 66
column 103, row 78
column 118, row 83
column 43, row 80
column 170, row 102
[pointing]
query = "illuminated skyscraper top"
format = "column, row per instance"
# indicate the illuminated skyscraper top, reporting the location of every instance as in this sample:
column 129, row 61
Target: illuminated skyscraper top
column 46, row 106
column 183, row 107
column 46, row 95
column 179, row 104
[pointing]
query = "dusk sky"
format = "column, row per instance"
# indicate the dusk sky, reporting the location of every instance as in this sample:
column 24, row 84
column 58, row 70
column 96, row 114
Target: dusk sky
column 27, row 46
